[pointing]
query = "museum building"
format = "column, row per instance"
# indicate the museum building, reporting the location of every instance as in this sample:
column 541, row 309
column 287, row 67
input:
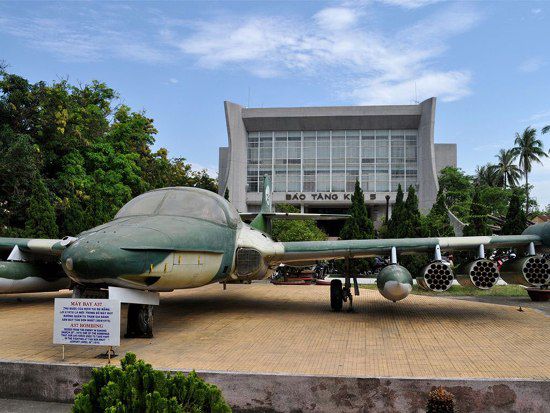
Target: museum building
column 314, row 155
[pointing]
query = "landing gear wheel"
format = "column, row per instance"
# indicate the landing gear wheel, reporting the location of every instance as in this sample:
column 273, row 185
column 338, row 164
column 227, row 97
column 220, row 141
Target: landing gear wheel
column 336, row 296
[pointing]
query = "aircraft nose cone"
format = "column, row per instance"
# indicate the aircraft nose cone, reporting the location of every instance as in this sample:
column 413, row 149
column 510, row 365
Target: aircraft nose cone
column 97, row 257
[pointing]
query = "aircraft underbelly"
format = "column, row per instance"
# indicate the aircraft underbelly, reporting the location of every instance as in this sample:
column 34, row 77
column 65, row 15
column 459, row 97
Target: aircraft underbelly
column 183, row 269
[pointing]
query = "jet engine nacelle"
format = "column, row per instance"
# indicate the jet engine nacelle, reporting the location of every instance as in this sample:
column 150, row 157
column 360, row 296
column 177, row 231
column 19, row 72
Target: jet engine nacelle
column 27, row 277
column 436, row 276
column 481, row 273
column 533, row 270
column 251, row 265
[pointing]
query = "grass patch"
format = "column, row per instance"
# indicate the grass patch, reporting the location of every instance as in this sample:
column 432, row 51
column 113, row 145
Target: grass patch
column 459, row 291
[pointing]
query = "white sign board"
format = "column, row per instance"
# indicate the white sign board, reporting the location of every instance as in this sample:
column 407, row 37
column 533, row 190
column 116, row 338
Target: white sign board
column 86, row 321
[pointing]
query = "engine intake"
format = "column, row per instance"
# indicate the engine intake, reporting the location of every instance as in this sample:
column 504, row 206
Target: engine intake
column 482, row 274
column 250, row 264
column 533, row 270
column 436, row 276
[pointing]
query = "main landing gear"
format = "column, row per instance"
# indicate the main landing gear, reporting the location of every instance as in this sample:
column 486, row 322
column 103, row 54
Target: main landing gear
column 339, row 294
column 140, row 321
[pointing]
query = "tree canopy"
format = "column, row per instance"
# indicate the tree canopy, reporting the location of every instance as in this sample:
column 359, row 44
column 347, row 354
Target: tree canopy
column 478, row 217
column 357, row 226
column 71, row 156
column 437, row 222
column 295, row 230
column 516, row 221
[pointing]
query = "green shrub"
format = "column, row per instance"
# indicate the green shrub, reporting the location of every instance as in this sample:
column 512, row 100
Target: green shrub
column 136, row 387
column 440, row 401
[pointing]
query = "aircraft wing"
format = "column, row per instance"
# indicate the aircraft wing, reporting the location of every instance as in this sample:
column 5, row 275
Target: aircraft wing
column 32, row 246
column 294, row 216
column 309, row 251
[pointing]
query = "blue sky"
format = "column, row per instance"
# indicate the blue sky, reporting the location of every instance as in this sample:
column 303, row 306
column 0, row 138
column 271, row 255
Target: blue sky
column 487, row 62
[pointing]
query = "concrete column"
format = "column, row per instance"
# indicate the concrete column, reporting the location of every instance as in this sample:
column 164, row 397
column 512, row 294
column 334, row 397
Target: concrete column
column 237, row 162
column 427, row 176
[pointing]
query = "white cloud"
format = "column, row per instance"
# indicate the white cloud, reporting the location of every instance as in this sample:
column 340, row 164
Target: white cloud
column 338, row 45
column 211, row 170
column 93, row 40
column 409, row 4
column 371, row 66
column 336, row 18
column 536, row 11
column 448, row 86
column 173, row 80
column 532, row 65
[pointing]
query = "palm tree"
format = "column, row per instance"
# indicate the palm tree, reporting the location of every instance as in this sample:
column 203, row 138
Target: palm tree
column 530, row 150
column 485, row 175
column 546, row 129
column 507, row 173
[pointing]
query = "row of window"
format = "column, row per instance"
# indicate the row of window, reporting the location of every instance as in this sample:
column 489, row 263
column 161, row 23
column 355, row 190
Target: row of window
column 331, row 161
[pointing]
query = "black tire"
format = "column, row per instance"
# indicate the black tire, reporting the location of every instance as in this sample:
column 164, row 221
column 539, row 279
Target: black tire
column 336, row 295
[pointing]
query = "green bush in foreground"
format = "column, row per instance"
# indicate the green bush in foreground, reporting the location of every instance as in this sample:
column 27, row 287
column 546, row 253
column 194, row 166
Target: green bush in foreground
column 136, row 387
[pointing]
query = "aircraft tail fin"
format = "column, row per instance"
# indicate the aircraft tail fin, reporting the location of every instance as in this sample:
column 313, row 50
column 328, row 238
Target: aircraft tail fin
column 261, row 222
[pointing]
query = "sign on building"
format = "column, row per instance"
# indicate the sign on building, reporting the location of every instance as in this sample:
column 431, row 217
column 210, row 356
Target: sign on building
column 85, row 321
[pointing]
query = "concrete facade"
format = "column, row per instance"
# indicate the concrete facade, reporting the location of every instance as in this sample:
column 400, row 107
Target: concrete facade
column 445, row 155
column 398, row 129
column 278, row 393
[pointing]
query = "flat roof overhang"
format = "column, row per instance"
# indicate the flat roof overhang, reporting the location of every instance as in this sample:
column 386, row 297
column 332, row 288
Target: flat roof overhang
column 332, row 118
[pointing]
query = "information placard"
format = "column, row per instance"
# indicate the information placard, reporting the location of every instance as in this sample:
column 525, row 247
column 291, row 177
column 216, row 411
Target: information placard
column 86, row 321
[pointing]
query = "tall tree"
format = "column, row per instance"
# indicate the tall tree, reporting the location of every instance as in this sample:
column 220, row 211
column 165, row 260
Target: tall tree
column 477, row 223
column 486, row 175
column 90, row 153
column 393, row 230
column 357, row 226
column 516, row 221
column 411, row 226
column 41, row 214
column 437, row 222
column 458, row 189
column 506, row 171
column 529, row 150
column 407, row 223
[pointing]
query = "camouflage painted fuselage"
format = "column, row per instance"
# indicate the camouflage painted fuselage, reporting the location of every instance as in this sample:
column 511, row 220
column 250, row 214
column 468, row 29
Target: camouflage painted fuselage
column 157, row 253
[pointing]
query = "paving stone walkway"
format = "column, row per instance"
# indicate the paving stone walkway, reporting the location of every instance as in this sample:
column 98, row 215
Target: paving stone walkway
column 290, row 329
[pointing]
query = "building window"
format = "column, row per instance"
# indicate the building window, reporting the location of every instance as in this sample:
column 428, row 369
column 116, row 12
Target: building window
column 332, row 161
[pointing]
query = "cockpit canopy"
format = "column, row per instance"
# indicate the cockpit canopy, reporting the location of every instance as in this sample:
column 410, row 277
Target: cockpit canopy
column 182, row 202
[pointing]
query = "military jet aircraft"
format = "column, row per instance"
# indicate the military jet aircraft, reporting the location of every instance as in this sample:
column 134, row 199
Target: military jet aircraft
column 175, row 238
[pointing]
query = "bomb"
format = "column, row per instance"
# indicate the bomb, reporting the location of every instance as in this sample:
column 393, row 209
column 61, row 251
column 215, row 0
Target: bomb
column 394, row 282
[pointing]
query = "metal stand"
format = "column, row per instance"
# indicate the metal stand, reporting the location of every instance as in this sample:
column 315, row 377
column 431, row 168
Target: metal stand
column 140, row 321
column 347, row 287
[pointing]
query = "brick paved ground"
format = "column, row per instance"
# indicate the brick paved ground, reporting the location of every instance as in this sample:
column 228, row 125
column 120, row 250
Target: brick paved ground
column 290, row 329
